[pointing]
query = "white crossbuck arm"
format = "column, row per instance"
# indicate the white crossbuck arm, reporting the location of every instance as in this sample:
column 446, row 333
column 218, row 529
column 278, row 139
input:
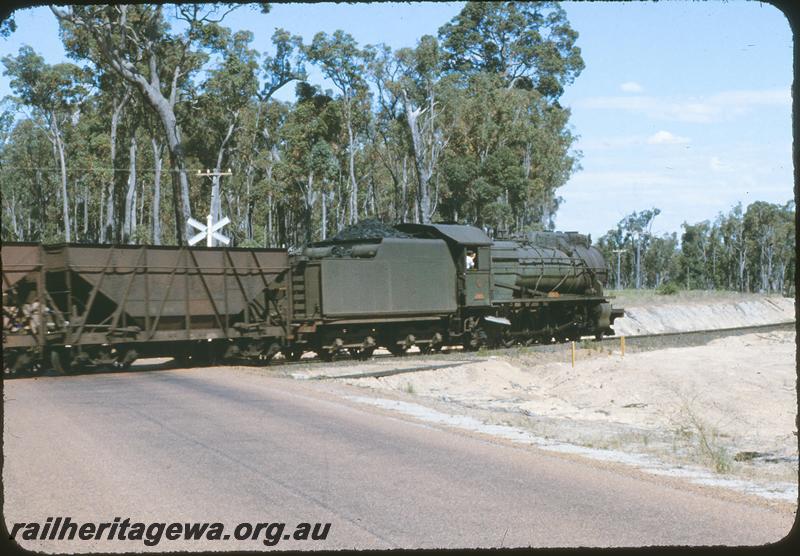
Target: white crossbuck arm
column 208, row 231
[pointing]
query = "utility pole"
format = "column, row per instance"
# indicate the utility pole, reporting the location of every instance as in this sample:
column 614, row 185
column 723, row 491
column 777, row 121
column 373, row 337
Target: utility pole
column 216, row 194
column 619, row 253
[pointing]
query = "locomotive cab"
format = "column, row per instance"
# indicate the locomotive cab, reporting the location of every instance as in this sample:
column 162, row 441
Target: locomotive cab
column 477, row 276
column 473, row 276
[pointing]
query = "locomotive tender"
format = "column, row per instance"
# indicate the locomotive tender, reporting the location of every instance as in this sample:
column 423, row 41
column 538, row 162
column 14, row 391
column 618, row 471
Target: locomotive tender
column 71, row 306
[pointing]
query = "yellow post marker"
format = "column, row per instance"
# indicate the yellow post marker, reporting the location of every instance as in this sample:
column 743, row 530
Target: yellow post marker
column 573, row 354
column 622, row 345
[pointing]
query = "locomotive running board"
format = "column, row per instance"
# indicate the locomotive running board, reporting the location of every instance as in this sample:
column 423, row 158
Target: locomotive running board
column 497, row 320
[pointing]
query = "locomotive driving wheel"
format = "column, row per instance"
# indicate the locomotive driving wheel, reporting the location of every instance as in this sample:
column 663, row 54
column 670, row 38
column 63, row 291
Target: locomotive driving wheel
column 398, row 350
column 507, row 340
column 475, row 339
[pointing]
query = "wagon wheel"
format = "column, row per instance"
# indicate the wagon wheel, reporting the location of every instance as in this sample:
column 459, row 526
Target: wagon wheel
column 60, row 361
column 22, row 364
column 9, row 363
column 430, row 347
column 126, row 360
column 272, row 350
column 434, row 345
column 293, row 354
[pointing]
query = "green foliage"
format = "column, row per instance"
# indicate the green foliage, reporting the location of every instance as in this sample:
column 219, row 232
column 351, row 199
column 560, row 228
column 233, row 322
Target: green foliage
column 7, row 26
column 41, row 86
column 492, row 148
column 668, row 288
column 751, row 250
column 529, row 45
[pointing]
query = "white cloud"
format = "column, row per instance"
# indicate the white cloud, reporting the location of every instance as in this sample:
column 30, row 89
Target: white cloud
column 631, row 87
column 721, row 106
column 610, row 142
column 666, row 138
column 717, row 165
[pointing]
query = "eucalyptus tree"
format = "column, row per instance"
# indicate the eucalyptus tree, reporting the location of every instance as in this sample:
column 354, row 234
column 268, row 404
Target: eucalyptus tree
column 528, row 44
column 119, row 94
column 769, row 230
column 694, row 255
column 28, row 190
column 785, row 254
column 529, row 49
column 341, row 61
column 638, row 227
column 53, row 92
column 307, row 134
column 258, row 143
column 8, row 25
column 420, row 84
column 483, row 166
column 224, row 95
column 660, row 261
column 137, row 43
column 736, row 245
column 389, row 133
column 8, row 184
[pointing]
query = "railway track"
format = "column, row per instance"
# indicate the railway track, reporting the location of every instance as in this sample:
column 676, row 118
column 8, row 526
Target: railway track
column 454, row 356
column 644, row 342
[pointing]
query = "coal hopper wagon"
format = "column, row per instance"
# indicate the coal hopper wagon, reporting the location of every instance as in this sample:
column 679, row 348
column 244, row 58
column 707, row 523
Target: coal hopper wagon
column 75, row 306
column 69, row 306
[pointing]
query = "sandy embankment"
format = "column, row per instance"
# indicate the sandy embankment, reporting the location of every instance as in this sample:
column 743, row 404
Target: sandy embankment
column 658, row 314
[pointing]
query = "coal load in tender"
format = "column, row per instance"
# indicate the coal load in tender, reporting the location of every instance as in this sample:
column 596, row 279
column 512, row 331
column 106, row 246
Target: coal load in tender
column 368, row 229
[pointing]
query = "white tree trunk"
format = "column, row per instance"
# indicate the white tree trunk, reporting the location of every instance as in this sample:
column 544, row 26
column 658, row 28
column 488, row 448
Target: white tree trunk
column 352, row 168
column 129, row 219
column 110, row 225
column 56, row 133
column 158, row 159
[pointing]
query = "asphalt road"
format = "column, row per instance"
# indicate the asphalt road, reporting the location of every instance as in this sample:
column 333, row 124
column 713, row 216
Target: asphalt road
column 233, row 446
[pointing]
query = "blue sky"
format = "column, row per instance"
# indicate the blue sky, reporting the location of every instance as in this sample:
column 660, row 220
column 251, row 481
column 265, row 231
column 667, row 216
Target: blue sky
column 684, row 106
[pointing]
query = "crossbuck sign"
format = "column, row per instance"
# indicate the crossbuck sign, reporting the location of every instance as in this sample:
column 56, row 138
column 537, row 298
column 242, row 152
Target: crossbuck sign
column 209, row 231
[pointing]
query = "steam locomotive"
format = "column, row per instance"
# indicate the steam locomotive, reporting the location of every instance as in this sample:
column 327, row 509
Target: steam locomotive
column 69, row 306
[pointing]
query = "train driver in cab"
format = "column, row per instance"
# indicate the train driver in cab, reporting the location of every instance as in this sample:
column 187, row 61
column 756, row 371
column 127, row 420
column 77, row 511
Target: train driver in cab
column 470, row 259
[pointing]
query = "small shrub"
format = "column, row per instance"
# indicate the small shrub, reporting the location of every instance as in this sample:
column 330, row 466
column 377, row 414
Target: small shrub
column 249, row 243
column 593, row 345
column 668, row 288
column 704, row 438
